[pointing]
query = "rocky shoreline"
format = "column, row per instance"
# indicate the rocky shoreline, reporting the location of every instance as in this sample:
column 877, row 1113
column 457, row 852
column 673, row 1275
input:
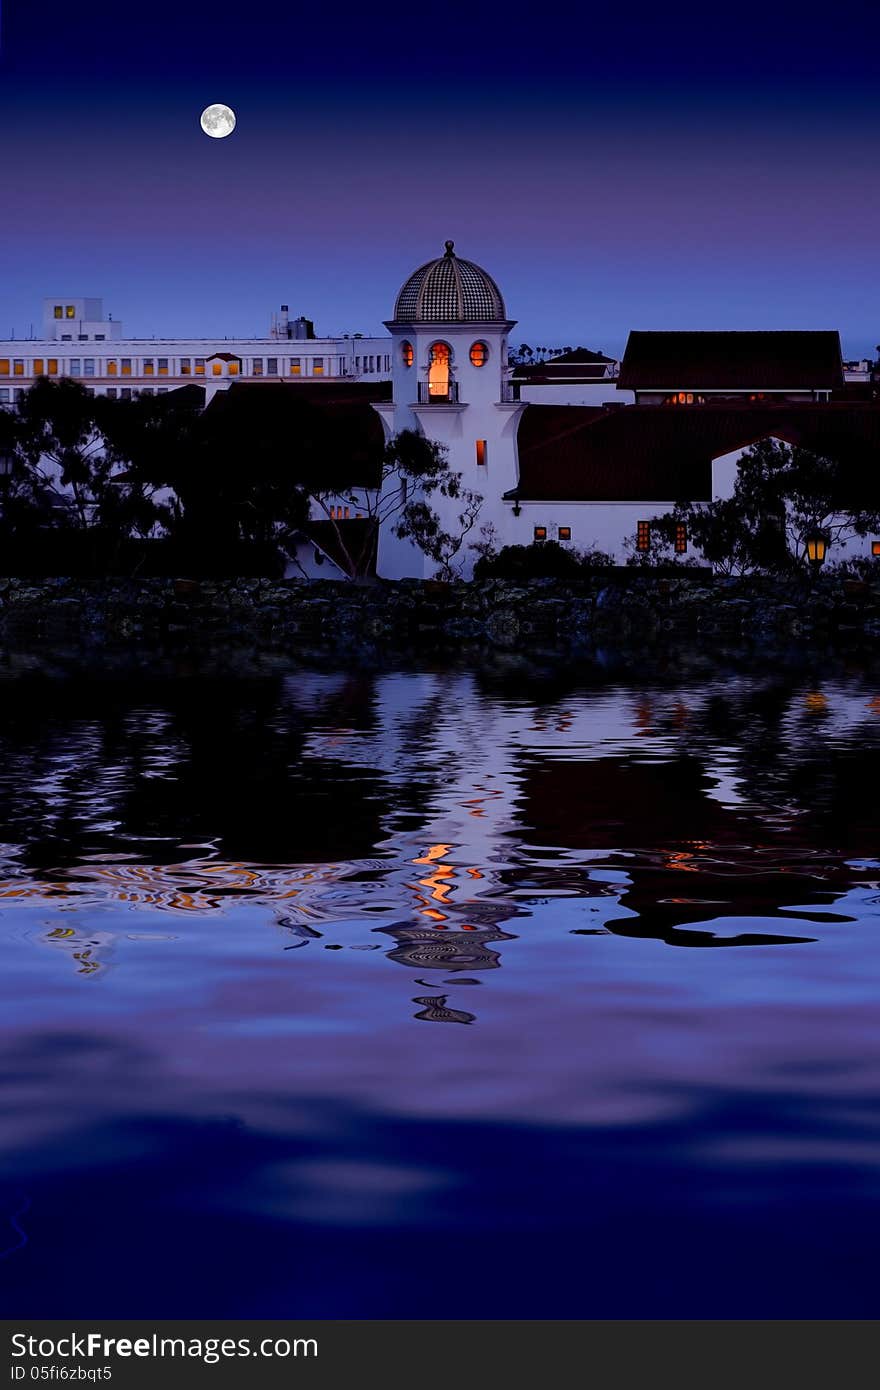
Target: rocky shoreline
column 295, row 613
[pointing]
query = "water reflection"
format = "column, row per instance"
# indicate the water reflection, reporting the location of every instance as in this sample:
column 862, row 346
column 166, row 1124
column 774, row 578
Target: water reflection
column 228, row 902
column 696, row 816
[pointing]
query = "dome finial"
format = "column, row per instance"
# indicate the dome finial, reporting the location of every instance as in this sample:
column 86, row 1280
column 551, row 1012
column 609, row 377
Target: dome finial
column 450, row 248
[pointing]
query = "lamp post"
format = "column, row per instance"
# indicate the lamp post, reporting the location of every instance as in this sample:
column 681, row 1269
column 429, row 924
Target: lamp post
column 817, row 547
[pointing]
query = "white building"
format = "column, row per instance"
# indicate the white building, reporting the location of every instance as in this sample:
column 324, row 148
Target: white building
column 78, row 341
column 588, row 471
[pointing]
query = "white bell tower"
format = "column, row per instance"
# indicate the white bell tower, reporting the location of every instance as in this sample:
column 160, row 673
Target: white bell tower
column 451, row 383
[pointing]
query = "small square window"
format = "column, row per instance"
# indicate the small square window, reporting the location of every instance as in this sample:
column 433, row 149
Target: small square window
column 126, row 366
column 100, row 337
column 4, row 393
column 163, row 366
column 125, row 393
column 272, row 366
column 565, row 533
column 59, row 311
column 186, row 366
column 318, row 367
column 111, row 393
column 65, row 337
column 232, row 369
column 70, row 311
column 52, row 367
column 257, row 366
column 76, row 366
column 200, row 366
column 82, row 337
column 18, row 367
column 540, row 533
column 111, row 367
column 89, row 366
column 38, row 366
column 295, row 366
column 149, row 366
column 875, row 547
column 4, row 366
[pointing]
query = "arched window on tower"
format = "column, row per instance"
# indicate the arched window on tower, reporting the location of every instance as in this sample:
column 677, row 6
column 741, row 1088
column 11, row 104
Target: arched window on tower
column 438, row 371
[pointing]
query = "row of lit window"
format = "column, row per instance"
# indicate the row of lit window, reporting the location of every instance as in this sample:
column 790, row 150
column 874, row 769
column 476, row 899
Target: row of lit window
column 67, row 311
column 83, row 338
column 442, row 352
column 643, row 536
column 151, row 366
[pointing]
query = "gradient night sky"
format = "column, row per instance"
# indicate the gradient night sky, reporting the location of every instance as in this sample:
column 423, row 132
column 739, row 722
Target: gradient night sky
column 613, row 167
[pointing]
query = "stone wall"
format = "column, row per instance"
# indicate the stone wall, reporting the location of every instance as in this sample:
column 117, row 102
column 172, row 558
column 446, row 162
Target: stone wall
column 548, row 613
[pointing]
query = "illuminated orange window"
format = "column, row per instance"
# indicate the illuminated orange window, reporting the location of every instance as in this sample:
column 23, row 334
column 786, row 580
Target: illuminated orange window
column 126, row 366
column 318, row 367
column 18, row 367
column 407, row 354
column 186, row 366
column 216, row 368
column 681, row 539
column 38, row 366
column 70, row 311
column 200, row 366
column 111, row 367
column 4, row 366
column 233, row 369
column 540, row 533
column 643, row 535
column 565, row 533
column 59, row 311
column 479, row 354
column 149, row 366
column 875, row 547
column 52, row 367
column 438, row 370
column 295, row 366
column 163, row 366
column 481, row 451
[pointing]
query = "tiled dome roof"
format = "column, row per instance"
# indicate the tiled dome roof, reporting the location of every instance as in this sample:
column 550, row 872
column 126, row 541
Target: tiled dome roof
column 450, row 290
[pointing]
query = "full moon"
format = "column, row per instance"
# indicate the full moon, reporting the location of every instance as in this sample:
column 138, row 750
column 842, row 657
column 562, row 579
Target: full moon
column 218, row 121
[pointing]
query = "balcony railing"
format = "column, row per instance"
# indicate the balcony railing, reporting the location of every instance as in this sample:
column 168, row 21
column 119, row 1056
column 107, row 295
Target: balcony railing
column 431, row 394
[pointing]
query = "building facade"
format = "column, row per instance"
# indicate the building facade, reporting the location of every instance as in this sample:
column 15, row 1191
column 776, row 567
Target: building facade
column 78, row 341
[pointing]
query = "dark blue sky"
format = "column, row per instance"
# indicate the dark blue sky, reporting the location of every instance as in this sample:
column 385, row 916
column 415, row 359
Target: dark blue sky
column 614, row 169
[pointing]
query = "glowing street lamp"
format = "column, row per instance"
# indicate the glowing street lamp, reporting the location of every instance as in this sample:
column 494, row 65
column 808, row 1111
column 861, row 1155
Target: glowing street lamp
column 817, row 547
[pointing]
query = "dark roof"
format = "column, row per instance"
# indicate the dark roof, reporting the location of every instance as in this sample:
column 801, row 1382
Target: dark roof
column 330, row 426
column 656, row 453
column 738, row 361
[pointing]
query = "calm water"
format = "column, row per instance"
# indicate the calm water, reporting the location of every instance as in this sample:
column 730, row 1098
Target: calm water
column 438, row 993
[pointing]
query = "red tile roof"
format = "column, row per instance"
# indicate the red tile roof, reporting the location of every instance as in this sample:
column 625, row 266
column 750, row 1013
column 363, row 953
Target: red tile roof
column 329, row 424
column 763, row 361
column 665, row 453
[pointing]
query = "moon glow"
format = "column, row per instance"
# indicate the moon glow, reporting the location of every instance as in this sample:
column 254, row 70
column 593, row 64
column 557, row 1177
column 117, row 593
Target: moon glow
column 218, row 121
